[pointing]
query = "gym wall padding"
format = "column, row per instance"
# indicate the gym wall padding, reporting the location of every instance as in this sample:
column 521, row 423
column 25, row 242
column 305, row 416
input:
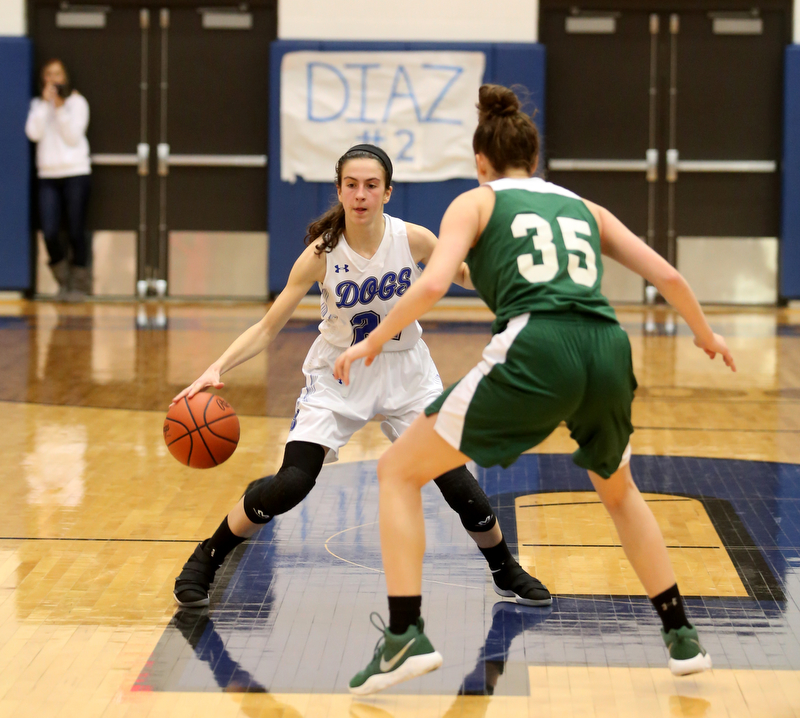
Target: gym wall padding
column 15, row 159
column 790, row 220
column 292, row 206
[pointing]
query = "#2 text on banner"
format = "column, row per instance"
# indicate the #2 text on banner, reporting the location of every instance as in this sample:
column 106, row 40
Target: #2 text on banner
column 418, row 106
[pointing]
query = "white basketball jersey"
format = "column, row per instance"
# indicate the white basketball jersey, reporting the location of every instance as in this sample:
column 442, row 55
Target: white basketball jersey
column 358, row 293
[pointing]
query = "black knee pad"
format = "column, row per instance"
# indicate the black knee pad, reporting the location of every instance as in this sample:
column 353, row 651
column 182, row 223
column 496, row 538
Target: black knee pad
column 273, row 495
column 464, row 495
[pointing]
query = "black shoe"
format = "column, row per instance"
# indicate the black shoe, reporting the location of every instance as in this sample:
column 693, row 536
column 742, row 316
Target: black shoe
column 513, row 581
column 191, row 586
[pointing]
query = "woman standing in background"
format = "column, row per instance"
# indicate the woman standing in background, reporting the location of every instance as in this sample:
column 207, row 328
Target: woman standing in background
column 57, row 123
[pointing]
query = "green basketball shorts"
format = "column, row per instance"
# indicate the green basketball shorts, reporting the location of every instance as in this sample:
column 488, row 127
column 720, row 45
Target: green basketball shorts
column 542, row 370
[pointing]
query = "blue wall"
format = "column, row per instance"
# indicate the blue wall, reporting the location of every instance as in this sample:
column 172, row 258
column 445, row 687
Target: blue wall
column 15, row 97
column 292, row 206
column 790, row 232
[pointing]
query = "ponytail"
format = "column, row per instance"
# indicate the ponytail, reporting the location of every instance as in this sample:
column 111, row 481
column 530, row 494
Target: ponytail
column 327, row 229
column 505, row 134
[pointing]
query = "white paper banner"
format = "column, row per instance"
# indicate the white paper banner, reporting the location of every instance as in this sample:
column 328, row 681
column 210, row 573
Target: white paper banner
column 418, row 106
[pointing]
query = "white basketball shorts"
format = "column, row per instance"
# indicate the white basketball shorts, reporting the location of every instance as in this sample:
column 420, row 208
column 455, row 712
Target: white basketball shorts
column 398, row 385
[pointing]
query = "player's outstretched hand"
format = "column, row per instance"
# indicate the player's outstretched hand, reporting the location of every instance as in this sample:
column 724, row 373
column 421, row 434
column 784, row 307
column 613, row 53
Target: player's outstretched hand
column 717, row 346
column 210, row 377
column 366, row 349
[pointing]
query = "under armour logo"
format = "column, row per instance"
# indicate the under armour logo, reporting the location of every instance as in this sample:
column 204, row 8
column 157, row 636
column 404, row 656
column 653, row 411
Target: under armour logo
column 345, row 268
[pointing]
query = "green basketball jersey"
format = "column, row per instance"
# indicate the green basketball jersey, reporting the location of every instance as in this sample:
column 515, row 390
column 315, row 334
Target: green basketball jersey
column 539, row 253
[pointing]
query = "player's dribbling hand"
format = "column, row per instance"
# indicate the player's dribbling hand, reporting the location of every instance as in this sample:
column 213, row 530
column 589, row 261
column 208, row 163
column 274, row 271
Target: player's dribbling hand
column 716, row 345
column 366, row 349
column 210, row 377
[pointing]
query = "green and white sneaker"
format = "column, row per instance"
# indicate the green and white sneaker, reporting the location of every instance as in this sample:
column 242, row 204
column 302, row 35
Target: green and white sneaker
column 396, row 659
column 686, row 654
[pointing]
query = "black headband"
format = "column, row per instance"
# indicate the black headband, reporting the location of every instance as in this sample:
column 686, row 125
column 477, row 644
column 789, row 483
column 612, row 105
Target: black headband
column 379, row 155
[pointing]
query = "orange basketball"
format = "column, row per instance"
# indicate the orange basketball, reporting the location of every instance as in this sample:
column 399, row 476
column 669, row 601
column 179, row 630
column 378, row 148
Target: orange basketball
column 201, row 432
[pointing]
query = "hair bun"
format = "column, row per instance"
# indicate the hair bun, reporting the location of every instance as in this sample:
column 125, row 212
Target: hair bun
column 497, row 101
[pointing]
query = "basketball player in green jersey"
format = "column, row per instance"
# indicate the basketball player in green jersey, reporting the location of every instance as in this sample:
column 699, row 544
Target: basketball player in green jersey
column 557, row 354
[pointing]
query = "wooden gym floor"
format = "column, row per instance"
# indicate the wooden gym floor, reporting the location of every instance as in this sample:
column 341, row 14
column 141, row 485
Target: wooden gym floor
column 97, row 519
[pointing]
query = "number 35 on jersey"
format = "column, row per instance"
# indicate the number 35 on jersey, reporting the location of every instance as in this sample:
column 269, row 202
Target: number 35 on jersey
column 544, row 241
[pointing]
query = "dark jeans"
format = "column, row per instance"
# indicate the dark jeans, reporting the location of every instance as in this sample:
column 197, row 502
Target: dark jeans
column 68, row 195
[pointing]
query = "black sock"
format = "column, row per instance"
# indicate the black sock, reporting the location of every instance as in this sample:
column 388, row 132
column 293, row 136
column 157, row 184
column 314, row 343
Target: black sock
column 498, row 556
column 669, row 606
column 403, row 612
column 222, row 542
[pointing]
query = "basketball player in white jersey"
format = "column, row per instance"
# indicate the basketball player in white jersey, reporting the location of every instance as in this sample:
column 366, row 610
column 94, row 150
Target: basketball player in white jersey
column 363, row 261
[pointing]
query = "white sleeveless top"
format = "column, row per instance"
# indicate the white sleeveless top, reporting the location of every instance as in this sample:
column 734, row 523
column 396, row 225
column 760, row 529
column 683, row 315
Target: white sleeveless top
column 358, row 293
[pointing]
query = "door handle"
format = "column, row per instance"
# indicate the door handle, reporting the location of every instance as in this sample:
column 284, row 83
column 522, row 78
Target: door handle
column 761, row 166
column 582, row 165
column 652, row 165
column 672, row 165
column 218, row 160
column 163, row 159
column 649, row 165
column 115, row 160
column 143, row 157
